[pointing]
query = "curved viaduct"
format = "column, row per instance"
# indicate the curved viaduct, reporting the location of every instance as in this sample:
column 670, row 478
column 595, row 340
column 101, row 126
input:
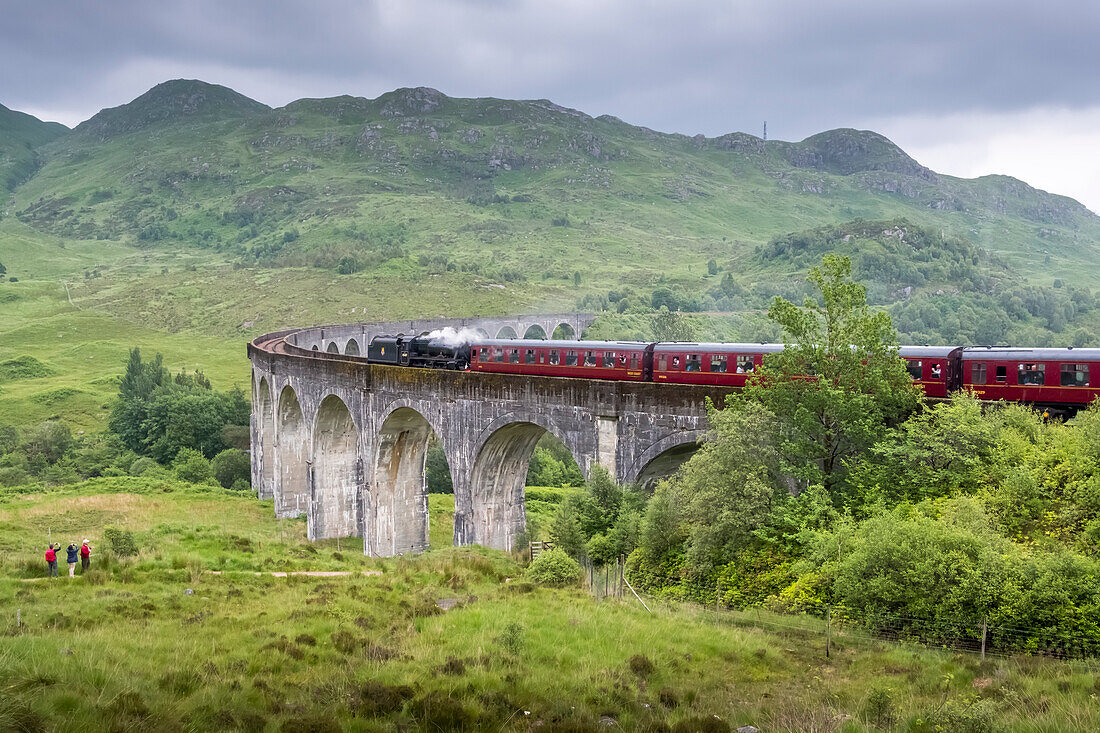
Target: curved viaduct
column 344, row 442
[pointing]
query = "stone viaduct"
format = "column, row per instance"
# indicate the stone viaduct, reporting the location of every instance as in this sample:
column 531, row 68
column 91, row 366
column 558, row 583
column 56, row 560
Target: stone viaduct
column 344, row 442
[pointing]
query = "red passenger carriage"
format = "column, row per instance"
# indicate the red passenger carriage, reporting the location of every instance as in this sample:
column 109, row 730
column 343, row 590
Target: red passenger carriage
column 621, row 360
column 707, row 363
column 1054, row 377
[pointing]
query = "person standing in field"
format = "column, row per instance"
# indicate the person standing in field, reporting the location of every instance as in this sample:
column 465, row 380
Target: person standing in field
column 51, row 560
column 72, row 554
column 85, row 557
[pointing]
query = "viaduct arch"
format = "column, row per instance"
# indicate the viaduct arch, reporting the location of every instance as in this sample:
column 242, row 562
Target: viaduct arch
column 344, row 442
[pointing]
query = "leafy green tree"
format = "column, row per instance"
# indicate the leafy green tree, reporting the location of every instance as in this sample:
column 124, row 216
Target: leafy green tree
column 838, row 383
column 47, row 442
column 661, row 532
column 669, row 325
column 230, row 466
column 726, row 490
column 602, row 550
column 141, row 379
column 436, row 471
column 9, row 438
column 565, row 530
column 712, row 267
column 939, row 451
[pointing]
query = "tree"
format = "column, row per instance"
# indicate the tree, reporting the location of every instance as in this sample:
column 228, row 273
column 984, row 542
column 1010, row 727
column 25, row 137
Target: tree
column 712, row 267
column 230, row 466
column 565, row 530
column 837, row 384
column 672, row 326
column 9, row 438
column 3, row 270
column 48, row 442
column 437, row 472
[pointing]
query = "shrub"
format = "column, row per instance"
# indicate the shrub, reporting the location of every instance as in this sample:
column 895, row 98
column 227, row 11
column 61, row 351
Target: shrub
column 191, row 466
column 120, row 541
column 141, row 465
column 555, row 569
column 230, row 466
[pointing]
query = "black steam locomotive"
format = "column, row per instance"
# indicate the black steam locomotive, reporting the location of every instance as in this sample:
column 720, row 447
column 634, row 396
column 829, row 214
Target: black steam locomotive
column 419, row 351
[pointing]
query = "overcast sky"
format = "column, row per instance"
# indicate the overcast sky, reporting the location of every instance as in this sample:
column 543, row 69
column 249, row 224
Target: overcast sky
column 967, row 87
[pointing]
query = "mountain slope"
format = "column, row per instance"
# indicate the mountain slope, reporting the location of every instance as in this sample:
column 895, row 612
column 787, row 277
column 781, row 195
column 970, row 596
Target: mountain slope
column 20, row 134
column 480, row 183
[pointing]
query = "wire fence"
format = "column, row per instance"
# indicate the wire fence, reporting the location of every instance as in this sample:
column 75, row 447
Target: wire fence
column 978, row 636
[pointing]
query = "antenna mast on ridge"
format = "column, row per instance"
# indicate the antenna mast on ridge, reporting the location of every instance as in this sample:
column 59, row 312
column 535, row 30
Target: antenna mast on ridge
column 765, row 131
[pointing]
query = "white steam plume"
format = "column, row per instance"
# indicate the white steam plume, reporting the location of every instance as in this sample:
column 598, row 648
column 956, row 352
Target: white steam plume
column 453, row 339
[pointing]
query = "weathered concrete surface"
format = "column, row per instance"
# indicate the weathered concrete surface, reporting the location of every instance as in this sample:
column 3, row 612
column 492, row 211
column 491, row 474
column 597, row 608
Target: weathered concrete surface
column 350, row 440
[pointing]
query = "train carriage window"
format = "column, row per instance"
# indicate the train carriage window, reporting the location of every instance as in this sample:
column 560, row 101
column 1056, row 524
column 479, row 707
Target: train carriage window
column 609, row 360
column 662, row 363
column 513, row 356
column 571, row 358
column 676, row 363
column 1075, row 375
column 555, row 357
column 590, row 358
column 529, row 356
column 915, row 368
column 692, row 364
column 718, row 362
column 1002, row 374
column 473, row 354
column 744, row 364
column 937, row 371
column 977, row 373
column 633, row 362
column 498, row 354
column 1031, row 374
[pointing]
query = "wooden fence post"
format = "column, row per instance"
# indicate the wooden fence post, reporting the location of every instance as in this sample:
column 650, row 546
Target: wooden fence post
column 985, row 622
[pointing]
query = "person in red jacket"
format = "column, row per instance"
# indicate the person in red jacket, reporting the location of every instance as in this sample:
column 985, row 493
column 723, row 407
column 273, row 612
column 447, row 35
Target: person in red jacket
column 51, row 560
column 85, row 556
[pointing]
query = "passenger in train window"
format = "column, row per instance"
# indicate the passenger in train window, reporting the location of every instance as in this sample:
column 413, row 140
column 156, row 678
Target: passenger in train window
column 675, row 362
column 555, row 356
column 744, row 364
column 693, row 364
column 590, row 358
column 718, row 363
column 936, row 371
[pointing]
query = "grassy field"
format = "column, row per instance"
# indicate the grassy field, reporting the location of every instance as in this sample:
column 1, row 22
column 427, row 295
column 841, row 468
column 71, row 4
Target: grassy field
column 126, row 647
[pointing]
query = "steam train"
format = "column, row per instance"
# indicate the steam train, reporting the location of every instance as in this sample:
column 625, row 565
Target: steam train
column 1062, row 379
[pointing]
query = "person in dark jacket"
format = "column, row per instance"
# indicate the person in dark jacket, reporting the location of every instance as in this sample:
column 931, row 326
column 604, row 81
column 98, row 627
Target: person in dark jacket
column 51, row 560
column 85, row 556
column 73, row 554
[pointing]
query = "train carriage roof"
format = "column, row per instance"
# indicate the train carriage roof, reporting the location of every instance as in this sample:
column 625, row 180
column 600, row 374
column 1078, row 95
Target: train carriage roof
column 928, row 351
column 704, row 347
column 1007, row 353
column 563, row 344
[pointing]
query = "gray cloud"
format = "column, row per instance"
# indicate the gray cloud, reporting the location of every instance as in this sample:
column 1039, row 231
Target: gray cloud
column 690, row 66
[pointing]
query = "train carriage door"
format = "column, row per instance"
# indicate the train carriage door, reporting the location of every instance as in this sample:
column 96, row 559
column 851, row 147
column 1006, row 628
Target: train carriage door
column 1002, row 374
column 634, row 364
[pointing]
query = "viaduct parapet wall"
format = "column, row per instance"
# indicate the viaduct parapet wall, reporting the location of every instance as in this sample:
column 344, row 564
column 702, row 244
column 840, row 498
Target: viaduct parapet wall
column 344, row 442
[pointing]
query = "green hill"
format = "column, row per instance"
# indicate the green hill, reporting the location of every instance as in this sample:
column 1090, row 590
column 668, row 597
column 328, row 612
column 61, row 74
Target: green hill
column 20, row 134
column 503, row 187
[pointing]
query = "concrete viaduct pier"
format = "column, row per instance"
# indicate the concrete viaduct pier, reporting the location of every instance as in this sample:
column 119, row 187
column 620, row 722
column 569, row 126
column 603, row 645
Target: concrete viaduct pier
column 344, row 442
